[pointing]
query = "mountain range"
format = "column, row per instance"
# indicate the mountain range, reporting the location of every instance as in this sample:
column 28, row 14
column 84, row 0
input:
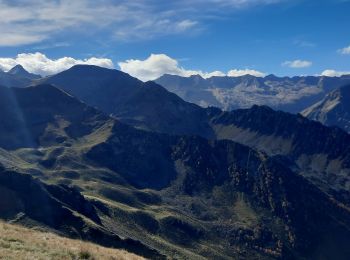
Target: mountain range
column 95, row 154
column 149, row 107
column 290, row 94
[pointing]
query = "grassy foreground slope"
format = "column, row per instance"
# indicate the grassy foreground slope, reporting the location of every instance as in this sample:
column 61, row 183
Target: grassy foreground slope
column 21, row 243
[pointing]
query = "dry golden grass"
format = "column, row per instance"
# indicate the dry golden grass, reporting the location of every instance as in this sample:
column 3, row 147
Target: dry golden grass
column 21, row 243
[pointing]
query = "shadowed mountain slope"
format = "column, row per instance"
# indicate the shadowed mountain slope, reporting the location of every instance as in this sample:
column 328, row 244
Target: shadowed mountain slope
column 19, row 71
column 144, row 105
column 43, row 115
column 58, row 208
column 17, row 77
column 183, row 196
column 317, row 152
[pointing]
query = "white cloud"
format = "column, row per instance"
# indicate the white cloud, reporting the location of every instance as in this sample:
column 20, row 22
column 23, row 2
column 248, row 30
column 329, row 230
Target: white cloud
column 345, row 50
column 38, row 63
column 32, row 21
column 334, row 73
column 15, row 39
column 157, row 65
column 36, row 20
column 186, row 24
column 237, row 73
column 304, row 44
column 297, row 64
column 243, row 3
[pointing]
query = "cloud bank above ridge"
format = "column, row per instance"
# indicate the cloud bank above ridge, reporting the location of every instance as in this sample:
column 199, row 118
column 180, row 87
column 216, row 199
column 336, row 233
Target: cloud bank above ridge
column 157, row 65
column 150, row 68
column 39, row 63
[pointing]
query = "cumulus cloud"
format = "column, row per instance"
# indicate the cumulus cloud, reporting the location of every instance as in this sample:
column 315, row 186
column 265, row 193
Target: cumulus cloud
column 38, row 63
column 345, row 50
column 334, row 73
column 157, row 65
column 237, row 73
column 297, row 64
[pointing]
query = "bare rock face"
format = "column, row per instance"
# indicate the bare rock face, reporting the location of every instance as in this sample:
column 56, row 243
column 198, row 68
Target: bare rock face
column 333, row 110
column 290, row 94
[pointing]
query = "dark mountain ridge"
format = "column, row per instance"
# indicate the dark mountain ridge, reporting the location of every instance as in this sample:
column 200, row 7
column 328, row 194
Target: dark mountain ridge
column 143, row 105
column 319, row 153
column 148, row 106
column 47, row 123
column 172, row 193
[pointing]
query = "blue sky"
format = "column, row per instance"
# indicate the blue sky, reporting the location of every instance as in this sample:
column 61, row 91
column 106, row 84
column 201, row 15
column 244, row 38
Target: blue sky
column 283, row 37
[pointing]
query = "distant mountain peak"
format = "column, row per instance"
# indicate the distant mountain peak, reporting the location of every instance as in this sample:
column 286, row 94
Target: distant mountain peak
column 87, row 66
column 261, row 108
column 93, row 70
column 271, row 77
column 196, row 76
column 168, row 75
column 18, row 70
